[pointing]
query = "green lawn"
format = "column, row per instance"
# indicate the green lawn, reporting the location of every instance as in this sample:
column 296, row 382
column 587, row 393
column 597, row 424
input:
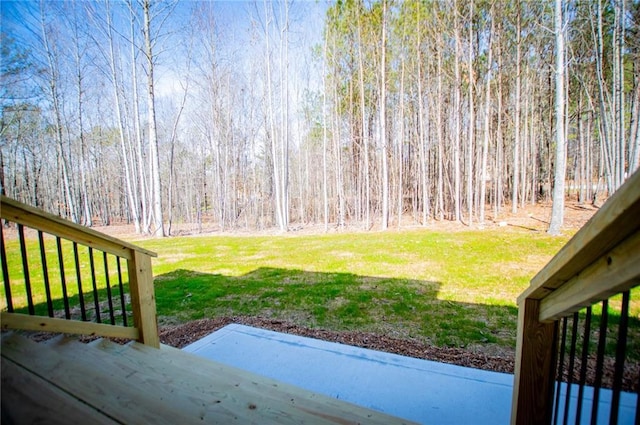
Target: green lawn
column 445, row 288
column 449, row 289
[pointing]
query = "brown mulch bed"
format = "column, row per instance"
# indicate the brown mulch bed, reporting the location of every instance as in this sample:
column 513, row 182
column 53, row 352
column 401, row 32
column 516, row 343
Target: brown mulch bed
column 182, row 335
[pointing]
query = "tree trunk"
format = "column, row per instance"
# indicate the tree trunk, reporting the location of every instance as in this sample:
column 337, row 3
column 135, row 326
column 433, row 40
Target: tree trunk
column 325, row 174
column 440, row 100
column 516, row 141
column 284, row 49
column 604, row 121
column 53, row 80
column 82, row 163
column 142, row 204
column 383, row 120
column 153, row 138
column 131, row 196
column 618, row 91
column 400, row 146
column 500, row 170
column 557, row 211
column 472, row 121
column 456, row 111
column 364, row 133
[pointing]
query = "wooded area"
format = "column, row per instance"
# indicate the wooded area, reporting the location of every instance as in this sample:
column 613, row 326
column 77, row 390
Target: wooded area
column 158, row 112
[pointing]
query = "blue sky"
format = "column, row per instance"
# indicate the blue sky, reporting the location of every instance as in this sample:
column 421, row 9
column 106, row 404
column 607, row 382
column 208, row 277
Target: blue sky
column 237, row 22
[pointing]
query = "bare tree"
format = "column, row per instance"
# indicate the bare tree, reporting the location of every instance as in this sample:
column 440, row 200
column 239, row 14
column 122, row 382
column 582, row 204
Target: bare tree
column 487, row 128
column 383, row 119
column 363, row 126
column 53, row 80
column 132, row 194
column 517, row 113
column 156, row 186
column 557, row 211
column 448, row 107
column 325, row 126
column 457, row 118
column 472, row 125
column 79, row 53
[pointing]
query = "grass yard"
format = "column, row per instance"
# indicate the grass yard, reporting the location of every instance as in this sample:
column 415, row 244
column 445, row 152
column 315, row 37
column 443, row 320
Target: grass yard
column 449, row 289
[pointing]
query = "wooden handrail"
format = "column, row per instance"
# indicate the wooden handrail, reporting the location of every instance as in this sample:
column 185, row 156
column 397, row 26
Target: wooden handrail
column 618, row 218
column 613, row 273
column 601, row 260
column 138, row 266
column 24, row 214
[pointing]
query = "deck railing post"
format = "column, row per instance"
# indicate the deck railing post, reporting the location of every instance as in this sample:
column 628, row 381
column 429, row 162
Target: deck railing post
column 143, row 300
column 533, row 379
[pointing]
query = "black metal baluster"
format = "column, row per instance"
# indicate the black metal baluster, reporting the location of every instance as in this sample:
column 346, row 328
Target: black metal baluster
column 25, row 268
column 584, row 360
column 563, row 344
column 572, row 357
column 106, row 278
column 96, row 302
column 602, row 342
column 621, row 350
column 63, row 280
column 83, row 310
column 122, row 300
column 5, row 273
column 45, row 273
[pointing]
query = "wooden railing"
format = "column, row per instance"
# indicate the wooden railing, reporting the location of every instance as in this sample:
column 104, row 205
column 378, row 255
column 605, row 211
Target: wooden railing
column 76, row 279
column 600, row 261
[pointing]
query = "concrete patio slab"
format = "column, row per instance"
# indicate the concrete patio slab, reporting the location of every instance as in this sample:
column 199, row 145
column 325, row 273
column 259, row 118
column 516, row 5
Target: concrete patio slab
column 420, row 390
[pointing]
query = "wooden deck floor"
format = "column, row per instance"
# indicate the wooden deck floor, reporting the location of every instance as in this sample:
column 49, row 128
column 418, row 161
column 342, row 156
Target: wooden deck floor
column 64, row 381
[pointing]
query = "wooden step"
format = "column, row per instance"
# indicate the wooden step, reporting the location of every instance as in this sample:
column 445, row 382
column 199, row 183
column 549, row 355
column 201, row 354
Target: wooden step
column 172, row 386
column 126, row 399
column 262, row 391
column 154, row 378
column 27, row 398
column 278, row 399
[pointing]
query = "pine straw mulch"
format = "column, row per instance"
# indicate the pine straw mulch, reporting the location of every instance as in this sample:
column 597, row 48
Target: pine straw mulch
column 181, row 335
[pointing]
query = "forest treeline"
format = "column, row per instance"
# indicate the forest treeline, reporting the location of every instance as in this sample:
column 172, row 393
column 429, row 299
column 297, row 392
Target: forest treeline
column 154, row 113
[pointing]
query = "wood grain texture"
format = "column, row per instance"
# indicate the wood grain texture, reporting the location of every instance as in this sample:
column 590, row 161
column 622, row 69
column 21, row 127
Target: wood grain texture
column 143, row 301
column 35, row 218
column 51, row 324
column 98, row 386
column 232, row 388
column 533, row 383
column 618, row 218
column 140, row 384
column 613, row 273
column 28, row 399
column 301, row 402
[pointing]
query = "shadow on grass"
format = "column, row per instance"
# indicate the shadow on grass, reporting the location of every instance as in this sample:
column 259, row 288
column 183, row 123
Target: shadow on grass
column 108, row 311
column 401, row 308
